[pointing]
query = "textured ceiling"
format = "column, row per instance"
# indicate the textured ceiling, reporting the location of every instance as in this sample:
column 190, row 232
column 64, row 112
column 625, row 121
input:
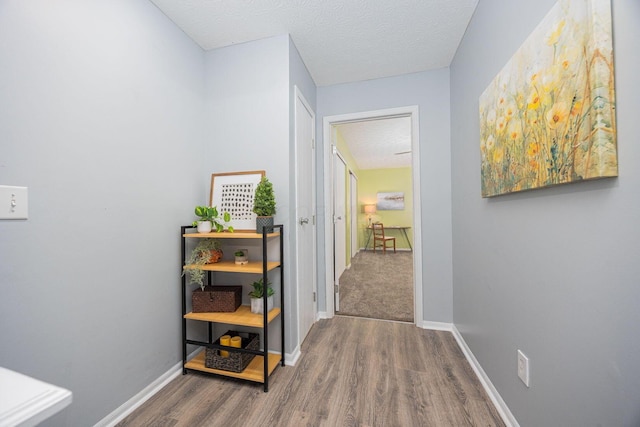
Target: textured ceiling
column 339, row 40
column 380, row 143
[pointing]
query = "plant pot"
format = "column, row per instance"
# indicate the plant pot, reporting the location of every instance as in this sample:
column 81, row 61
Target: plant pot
column 257, row 304
column 263, row 221
column 242, row 259
column 216, row 256
column 205, row 226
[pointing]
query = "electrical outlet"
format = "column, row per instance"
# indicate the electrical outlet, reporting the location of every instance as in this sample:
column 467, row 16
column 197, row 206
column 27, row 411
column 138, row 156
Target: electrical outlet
column 13, row 202
column 523, row 368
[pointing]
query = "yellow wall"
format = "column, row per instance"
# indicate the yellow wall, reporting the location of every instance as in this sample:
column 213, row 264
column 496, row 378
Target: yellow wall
column 373, row 181
column 370, row 183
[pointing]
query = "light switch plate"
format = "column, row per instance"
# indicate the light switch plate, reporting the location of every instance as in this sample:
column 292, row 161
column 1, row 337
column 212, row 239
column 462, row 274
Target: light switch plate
column 14, row 202
column 523, row 368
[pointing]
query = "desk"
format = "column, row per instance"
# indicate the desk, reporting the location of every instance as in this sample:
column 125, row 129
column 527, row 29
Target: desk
column 403, row 229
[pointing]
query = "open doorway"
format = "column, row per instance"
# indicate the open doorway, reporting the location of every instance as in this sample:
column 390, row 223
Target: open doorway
column 397, row 177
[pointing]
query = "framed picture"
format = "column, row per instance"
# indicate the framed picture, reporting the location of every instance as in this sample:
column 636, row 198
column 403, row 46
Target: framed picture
column 390, row 201
column 234, row 192
column 548, row 117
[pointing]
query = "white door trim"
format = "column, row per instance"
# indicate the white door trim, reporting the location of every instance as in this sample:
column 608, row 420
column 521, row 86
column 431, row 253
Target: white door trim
column 353, row 200
column 298, row 95
column 328, row 121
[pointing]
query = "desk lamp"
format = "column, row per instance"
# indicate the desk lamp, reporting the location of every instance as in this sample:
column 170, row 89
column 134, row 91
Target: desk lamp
column 369, row 210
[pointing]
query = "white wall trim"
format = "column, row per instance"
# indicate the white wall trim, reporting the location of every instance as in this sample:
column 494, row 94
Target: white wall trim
column 327, row 122
column 145, row 394
column 495, row 397
column 437, row 326
column 124, row 410
column 290, row 359
column 323, row 315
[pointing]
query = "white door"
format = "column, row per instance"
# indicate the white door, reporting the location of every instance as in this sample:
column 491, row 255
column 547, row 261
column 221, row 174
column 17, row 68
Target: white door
column 339, row 222
column 305, row 215
column 353, row 192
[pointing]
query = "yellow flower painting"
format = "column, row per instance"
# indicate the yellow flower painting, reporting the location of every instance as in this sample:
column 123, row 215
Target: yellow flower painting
column 548, row 117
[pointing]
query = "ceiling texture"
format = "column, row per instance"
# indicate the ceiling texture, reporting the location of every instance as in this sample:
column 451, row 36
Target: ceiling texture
column 380, row 143
column 340, row 41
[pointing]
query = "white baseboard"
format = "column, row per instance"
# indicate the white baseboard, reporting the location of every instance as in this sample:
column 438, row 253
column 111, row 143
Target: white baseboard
column 436, row 326
column 322, row 315
column 145, row 394
column 290, row 359
column 495, row 397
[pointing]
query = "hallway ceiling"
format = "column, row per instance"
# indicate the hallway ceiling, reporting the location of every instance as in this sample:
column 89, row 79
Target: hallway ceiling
column 340, row 41
column 380, row 143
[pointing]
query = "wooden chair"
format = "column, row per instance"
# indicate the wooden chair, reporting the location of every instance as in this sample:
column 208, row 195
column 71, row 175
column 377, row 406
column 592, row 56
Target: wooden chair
column 379, row 239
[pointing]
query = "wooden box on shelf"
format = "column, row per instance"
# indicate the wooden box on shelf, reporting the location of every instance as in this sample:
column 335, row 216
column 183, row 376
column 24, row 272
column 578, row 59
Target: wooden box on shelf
column 216, row 299
column 235, row 361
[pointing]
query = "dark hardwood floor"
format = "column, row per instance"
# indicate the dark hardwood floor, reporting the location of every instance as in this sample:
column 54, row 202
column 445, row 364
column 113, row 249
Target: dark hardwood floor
column 353, row 372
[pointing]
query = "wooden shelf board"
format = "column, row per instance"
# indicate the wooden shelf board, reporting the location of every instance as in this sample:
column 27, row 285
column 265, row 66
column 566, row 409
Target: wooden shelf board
column 242, row 317
column 232, row 267
column 253, row 372
column 227, row 235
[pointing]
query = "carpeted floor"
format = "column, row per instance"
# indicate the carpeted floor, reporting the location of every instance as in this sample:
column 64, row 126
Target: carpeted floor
column 378, row 286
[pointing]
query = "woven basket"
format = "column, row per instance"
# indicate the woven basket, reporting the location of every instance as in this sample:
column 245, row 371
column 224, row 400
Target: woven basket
column 236, row 362
column 216, row 299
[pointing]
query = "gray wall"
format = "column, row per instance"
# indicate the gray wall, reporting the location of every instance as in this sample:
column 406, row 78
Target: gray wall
column 247, row 128
column 552, row 272
column 430, row 92
column 101, row 117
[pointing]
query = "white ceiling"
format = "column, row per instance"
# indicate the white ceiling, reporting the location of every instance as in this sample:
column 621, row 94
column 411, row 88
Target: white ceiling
column 339, row 40
column 380, row 143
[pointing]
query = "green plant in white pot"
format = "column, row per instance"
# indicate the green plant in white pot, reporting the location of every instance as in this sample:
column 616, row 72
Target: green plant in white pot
column 264, row 204
column 210, row 219
column 241, row 256
column 256, row 295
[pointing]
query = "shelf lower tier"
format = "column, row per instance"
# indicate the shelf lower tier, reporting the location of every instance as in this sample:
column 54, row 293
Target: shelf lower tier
column 254, row 371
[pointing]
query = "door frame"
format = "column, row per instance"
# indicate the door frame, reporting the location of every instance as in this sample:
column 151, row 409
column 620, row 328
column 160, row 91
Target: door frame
column 353, row 201
column 328, row 121
column 299, row 95
column 343, row 185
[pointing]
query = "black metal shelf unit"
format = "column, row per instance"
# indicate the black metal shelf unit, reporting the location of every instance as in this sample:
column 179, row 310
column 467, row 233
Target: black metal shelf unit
column 270, row 360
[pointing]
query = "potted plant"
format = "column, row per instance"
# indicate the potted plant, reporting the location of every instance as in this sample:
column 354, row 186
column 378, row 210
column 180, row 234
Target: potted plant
column 241, row 256
column 264, row 204
column 207, row 251
column 210, row 218
column 256, row 296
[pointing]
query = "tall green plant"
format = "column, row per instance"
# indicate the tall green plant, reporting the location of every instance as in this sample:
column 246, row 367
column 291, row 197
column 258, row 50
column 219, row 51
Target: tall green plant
column 264, row 203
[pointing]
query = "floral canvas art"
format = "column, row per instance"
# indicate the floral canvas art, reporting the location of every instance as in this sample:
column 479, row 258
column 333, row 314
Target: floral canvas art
column 548, row 117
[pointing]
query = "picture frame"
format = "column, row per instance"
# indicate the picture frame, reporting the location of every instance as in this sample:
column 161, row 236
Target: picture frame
column 234, row 192
column 548, row 117
column 393, row 201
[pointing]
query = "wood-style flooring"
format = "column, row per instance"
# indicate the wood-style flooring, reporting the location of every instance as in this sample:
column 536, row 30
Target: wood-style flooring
column 353, row 372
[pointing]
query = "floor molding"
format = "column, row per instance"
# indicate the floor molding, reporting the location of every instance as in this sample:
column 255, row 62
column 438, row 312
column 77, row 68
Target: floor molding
column 145, row 394
column 436, row 326
column 290, row 359
column 495, row 397
column 322, row 315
